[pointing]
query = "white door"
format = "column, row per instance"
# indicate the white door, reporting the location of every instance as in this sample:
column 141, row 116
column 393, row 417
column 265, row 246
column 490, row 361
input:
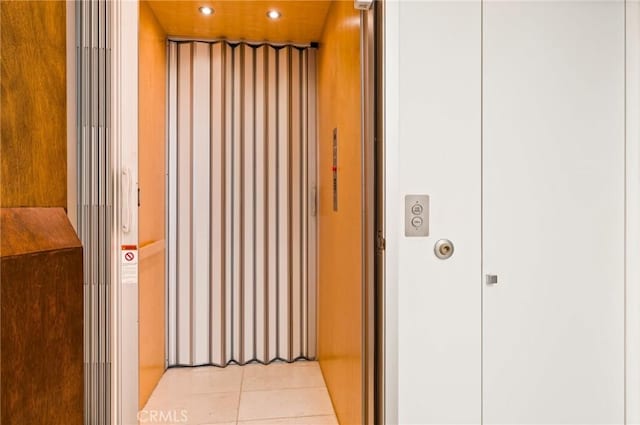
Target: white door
column 553, row 212
column 510, row 116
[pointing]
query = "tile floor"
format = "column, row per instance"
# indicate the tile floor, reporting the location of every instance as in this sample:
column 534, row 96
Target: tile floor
column 279, row 393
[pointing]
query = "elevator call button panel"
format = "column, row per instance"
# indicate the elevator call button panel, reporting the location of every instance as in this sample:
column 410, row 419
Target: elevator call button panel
column 416, row 217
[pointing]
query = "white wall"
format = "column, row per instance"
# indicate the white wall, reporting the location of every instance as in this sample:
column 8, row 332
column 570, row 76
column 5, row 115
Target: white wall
column 633, row 213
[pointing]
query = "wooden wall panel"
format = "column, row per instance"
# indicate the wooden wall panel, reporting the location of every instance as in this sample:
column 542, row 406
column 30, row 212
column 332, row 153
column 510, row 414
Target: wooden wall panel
column 301, row 20
column 152, row 318
column 340, row 233
column 33, row 116
column 152, row 116
column 41, row 362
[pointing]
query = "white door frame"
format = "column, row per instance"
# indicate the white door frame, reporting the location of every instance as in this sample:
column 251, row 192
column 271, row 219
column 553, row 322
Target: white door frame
column 394, row 209
column 393, row 204
column 124, row 120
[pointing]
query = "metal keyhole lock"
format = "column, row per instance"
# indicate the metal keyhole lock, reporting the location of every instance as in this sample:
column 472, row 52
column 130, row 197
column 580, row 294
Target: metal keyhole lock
column 443, row 249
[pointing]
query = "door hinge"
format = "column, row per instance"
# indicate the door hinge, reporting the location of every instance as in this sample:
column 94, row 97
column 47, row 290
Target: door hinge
column 138, row 197
column 381, row 242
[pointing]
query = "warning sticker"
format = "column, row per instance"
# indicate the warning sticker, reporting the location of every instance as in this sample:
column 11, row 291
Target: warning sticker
column 129, row 264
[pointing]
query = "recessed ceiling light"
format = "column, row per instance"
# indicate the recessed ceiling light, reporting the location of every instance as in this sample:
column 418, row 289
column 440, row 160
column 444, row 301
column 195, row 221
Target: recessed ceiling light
column 206, row 10
column 273, row 14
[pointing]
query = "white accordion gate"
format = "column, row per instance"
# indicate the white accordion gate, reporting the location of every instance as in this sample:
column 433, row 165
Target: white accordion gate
column 242, row 225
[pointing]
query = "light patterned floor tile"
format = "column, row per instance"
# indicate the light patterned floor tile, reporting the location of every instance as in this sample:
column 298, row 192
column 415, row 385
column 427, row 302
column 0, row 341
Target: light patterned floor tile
column 304, row 420
column 277, row 394
column 284, row 403
column 282, row 375
column 181, row 382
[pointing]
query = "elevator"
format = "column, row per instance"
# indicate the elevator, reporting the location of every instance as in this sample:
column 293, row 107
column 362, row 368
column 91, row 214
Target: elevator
column 517, row 121
column 255, row 157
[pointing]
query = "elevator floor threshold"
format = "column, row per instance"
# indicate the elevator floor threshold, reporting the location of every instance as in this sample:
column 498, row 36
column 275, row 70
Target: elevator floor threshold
column 279, row 393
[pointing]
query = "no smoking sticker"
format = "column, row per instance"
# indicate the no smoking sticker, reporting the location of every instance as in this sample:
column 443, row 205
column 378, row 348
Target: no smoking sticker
column 129, row 264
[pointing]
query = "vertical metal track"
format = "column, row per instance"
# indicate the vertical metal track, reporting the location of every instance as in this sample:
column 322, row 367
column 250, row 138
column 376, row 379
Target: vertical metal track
column 368, row 129
column 247, row 114
column 95, row 201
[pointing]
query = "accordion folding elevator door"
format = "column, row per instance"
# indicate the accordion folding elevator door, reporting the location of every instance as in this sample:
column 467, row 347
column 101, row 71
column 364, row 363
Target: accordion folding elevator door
column 242, row 226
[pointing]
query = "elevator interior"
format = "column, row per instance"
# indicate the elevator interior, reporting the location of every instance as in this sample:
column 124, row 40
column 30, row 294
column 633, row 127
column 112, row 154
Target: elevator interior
column 247, row 188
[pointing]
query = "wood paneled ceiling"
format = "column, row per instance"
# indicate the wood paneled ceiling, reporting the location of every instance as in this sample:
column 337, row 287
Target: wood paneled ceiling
column 302, row 21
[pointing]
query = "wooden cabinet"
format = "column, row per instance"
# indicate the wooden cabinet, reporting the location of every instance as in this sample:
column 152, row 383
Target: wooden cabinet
column 41, row 318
